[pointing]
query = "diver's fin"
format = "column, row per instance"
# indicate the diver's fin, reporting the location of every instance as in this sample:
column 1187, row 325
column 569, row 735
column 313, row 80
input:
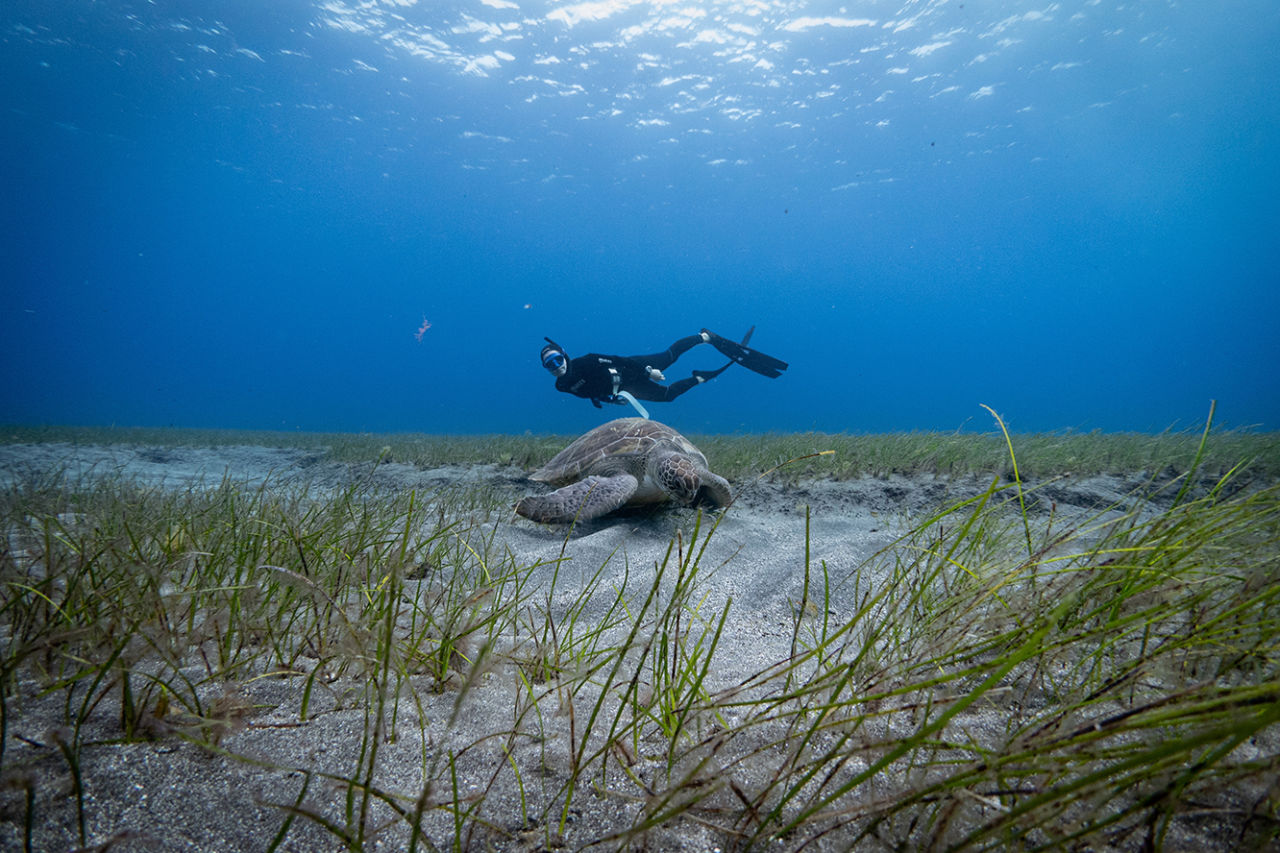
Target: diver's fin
column 704, row 375
column 765, row 365
column 707, row 375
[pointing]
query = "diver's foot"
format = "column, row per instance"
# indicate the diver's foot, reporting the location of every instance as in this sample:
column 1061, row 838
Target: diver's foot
column 655, row 374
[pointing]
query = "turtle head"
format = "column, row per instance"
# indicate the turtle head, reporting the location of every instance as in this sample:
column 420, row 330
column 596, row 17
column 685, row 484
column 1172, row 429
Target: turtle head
column 677, row 475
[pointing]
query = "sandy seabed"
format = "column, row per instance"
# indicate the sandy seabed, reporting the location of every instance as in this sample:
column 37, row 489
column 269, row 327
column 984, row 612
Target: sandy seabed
column 170, row 794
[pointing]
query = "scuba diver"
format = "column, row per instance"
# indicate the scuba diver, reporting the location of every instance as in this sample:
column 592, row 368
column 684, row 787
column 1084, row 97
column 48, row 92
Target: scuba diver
column 629, row 379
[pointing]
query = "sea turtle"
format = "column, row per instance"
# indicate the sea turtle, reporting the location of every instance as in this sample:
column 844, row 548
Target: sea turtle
column 627, row 462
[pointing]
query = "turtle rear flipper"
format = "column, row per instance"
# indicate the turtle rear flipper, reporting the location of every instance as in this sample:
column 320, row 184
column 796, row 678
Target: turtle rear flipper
column 590, row 497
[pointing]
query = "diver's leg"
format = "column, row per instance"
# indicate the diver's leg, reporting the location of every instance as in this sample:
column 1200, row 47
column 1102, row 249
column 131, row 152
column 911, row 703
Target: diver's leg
column 675, row 389
column 663, row 360
column 648, row 391
column 652, row 392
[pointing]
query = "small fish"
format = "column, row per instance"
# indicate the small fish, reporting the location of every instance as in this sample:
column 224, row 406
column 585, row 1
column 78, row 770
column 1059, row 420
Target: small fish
column 422, row 330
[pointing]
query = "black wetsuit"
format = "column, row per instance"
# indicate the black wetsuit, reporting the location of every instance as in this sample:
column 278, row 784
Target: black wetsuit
column 599, row 378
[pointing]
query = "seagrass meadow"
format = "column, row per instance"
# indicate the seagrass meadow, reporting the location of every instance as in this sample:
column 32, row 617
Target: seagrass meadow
column 745, row 456
column 918, row 641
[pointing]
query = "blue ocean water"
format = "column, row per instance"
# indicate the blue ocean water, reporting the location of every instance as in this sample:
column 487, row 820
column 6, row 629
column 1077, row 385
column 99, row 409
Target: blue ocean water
column 240, row 214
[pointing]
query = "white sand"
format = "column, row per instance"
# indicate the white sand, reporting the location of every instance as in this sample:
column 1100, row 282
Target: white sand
column 168, row 794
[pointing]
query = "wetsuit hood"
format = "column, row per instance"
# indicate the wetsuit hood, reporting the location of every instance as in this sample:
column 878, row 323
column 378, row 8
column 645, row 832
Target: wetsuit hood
column 554, row 358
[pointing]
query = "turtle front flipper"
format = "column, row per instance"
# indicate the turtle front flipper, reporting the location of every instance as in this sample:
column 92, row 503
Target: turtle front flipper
column 714, row 490
column 590, row 497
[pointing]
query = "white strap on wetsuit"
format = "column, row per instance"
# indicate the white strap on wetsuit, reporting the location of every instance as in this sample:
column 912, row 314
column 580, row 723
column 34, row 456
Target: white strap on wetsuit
column 626, row 395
